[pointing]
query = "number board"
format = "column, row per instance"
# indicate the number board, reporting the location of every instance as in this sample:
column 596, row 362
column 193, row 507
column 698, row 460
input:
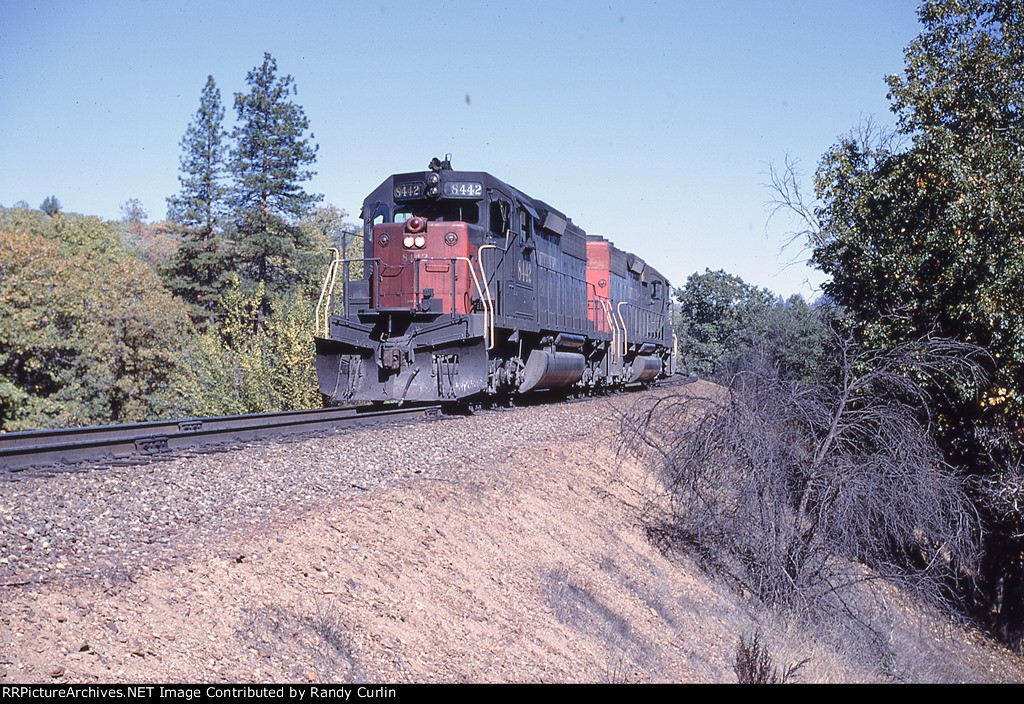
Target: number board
column 463, row 189
column 404, row 191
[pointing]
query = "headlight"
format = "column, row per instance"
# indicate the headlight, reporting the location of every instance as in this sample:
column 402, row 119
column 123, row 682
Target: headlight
column 408, row 241
column 420, row 242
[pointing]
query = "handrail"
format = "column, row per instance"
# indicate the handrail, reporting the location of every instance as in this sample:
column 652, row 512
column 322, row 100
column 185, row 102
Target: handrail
column 331, row 283
column 487, row 289
column 616, row 318
column 595, row 300
column 625, row 332
column 675, row 350
column 648, row 324
column 332, row 272
column 605, row 306
column 615, row 327
column 476, row 283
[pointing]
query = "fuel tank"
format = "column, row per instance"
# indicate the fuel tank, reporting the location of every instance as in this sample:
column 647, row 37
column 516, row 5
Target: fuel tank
column 644, row 368
column 552, row 370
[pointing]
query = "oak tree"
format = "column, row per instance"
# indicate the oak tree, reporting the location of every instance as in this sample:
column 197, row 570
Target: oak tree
column 923, row 234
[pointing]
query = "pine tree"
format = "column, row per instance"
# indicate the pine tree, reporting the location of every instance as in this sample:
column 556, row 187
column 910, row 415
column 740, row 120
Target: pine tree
column 200, row 268
column 50, row 206
column 268, row 163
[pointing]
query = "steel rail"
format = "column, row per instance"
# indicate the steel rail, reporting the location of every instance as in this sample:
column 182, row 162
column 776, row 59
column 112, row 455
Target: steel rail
column 32, row 448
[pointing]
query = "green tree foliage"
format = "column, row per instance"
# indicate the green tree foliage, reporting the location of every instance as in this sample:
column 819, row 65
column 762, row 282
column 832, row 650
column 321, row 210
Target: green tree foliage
column 269, row 162
column 34, row 330
column 929, row 237
column 249, row 366
column 87, row 333
column 326, row 227
column 926, row 237
column 200, row 267
column 718, row 313
column 796, row 338
column 71, row 232
column 724, row 319
column 133, row 218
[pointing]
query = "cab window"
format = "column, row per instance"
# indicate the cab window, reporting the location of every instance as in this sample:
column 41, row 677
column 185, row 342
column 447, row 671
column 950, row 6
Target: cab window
column 500, row 217
column 445, row 211
column 378, row 215
column 525, row 223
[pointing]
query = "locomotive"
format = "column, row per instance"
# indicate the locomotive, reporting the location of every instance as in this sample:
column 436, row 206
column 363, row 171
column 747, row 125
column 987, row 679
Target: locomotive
column 469, row 289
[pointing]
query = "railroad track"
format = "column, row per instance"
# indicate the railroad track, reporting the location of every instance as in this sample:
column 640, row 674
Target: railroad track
column 132, row 443
column 137, row 441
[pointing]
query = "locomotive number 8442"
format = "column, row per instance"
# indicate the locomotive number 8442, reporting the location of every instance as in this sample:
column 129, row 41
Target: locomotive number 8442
column 469, row 288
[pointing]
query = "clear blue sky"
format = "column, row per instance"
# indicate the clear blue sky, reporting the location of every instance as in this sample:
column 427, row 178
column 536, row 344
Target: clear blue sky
column 651, row 123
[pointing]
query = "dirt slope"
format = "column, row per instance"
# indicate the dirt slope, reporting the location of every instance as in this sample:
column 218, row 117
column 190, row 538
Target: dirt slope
column 531, row 566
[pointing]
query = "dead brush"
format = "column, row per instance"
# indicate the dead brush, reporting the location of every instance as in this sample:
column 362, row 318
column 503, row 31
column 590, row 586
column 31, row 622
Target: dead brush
column 755, row 665
column 785, row 489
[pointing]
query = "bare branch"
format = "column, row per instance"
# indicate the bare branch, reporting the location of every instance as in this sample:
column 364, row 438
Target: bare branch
column 781, row 487
column 787, row 196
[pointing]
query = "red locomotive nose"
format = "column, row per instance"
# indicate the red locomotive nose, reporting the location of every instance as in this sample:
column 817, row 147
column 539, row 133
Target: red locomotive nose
column 416, row 224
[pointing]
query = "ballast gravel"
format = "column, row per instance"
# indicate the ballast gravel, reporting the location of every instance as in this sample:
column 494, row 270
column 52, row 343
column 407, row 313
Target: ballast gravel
column 109, row 522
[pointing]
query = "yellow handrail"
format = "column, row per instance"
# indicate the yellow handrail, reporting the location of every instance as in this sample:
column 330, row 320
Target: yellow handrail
column 332, row 272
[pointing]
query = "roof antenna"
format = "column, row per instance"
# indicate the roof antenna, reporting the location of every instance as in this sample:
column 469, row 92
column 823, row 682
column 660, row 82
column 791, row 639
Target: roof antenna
column 447, row 163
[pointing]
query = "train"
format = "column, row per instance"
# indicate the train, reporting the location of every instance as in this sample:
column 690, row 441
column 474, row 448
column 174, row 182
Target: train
column 469, row 290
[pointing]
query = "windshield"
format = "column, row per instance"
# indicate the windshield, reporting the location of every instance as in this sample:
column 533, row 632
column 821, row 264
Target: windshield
column 444, row 210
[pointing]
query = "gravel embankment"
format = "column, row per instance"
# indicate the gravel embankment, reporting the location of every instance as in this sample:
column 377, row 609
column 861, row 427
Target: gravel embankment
column 506, row 547
column 111, row 523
